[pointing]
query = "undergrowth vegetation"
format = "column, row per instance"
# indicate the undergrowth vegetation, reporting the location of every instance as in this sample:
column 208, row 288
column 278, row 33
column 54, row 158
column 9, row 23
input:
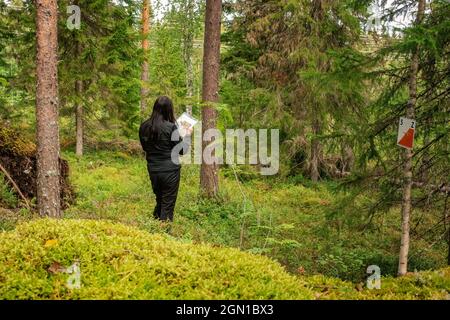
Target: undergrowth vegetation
column 290, row 220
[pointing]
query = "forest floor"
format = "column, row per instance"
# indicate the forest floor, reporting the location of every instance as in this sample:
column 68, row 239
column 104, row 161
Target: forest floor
column 291, row 220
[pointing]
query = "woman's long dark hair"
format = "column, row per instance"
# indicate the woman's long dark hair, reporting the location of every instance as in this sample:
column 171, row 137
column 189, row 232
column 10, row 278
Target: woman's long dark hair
column 162, row 111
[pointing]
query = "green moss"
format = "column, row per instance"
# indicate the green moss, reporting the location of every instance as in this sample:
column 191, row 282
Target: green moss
column 11, row 141
column 120, row 262
column 427, row 285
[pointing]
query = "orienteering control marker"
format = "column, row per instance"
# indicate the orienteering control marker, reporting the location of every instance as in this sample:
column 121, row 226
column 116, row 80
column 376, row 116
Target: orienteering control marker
column 406, row 131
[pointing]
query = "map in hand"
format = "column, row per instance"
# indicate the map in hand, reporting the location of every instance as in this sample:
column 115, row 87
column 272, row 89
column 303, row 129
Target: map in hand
column 186, row 123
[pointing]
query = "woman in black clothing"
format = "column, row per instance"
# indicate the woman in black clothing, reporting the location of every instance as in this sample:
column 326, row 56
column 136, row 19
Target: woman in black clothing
column 159, row 136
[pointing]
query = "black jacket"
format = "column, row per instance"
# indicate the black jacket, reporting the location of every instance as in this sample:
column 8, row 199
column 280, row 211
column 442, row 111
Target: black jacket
column 159, row 152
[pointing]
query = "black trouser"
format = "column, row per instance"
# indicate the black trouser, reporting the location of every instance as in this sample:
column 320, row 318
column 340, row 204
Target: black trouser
column 165, row 187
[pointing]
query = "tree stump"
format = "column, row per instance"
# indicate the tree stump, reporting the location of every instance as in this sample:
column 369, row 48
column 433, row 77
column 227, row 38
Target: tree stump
column 18, row 157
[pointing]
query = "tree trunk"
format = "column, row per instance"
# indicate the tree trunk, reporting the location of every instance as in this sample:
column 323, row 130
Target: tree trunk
column 315, row 150
column 448, row 236
column 47, row 133
column 317, row 9
column 79, row 112
column 145, row 46
column 447, row 228
column 425, row 166
column 211, row 62
column 348, row 158
column 448, row 241
column 188, row 47
column 407, row 170
column 317, row 13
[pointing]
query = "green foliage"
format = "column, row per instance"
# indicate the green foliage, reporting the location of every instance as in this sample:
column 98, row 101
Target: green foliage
column 296, row 222
column 175, row 40
column 431, row 285
column 167, row 71
column 7, row 196
column 387, row 71
column 103, row 54
column 243, row 173
column 299, row 66
column 119, row 262
column 17, row 144
column 288, row 51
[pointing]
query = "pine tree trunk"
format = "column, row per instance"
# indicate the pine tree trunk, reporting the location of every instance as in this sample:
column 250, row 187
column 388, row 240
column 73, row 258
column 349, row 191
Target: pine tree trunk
column 145, row 45
column 190, row 86
column 188, row 48
column 315, row 151
column 407, row 170
column 317, row 13
column 211, row 62
column 47, row 133
column 448, row 254
column 79, row 112
column 424, row 170
column 317, row 9
column 447, row 228
column 348, row 158
column 448, row 237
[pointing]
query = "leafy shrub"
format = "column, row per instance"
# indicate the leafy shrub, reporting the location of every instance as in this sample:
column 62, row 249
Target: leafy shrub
column 242, row 172
column 351, row 264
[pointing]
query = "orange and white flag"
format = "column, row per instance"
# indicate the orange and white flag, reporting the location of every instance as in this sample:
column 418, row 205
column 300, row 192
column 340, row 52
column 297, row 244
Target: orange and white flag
column 406, row 132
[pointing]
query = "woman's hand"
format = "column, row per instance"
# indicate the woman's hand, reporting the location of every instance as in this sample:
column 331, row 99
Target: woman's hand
column 189, row 132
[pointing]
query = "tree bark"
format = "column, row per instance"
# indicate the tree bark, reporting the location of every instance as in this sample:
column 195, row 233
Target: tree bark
column 79, row 112
column 47, row 133
column 407, row 170
column 188, row 47
column 317, row 9
column 448, row 241
column 145, row 45
column 348, row 158
column 446, row 217
column 315, row 150
column 211, row 63
column 447, row 227
column 425, row 166
column 317, row 13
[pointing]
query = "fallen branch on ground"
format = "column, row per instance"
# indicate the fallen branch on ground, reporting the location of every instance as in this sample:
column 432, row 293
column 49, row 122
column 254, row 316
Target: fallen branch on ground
column 16, row 187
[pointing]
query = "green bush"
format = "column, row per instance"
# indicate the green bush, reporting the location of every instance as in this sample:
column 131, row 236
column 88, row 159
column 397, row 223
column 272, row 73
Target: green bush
column 120, row 262
column 299, row 226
